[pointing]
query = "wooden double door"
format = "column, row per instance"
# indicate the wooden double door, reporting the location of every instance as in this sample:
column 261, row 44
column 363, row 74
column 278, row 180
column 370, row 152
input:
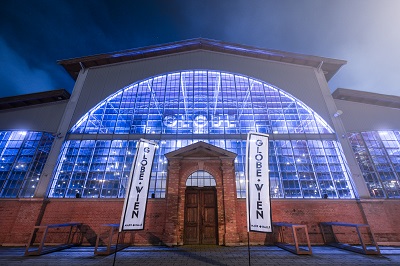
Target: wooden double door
column 200, row 216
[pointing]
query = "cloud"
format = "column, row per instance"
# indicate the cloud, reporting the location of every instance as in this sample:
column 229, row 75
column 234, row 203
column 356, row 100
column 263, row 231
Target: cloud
column 18, row 77
column 37, row 34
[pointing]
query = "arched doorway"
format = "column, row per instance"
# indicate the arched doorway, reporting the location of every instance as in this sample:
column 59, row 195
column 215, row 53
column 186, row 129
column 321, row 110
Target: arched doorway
column 201, row 196
column 201, row 209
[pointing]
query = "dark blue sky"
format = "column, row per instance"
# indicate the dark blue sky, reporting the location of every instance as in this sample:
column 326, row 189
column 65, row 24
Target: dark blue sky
column 34, row 34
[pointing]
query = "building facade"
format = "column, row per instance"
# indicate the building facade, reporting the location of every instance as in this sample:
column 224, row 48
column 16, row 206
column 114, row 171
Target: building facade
column 332, row 157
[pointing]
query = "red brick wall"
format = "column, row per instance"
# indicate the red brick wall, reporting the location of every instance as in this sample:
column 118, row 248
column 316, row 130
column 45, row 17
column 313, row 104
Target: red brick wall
column 17, row 217
column 384, row 218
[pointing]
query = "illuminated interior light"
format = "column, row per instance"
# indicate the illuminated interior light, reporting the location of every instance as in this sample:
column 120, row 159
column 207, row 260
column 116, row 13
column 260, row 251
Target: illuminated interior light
column 224, row 113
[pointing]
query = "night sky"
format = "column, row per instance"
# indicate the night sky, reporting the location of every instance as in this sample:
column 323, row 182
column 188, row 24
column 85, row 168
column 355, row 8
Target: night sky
column 35, row 34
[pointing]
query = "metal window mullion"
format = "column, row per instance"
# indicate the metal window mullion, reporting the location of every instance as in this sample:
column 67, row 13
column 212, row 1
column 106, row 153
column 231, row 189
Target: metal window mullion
column 373, row 165
column 282, row 188
column 105, row 171
column 59, row 166
column 296, row 169
column 13, row 166
column 73, row 169
column 124, row 162
column 9, row 172
column 282, row 111
column 344, row 168
column 267, row 109
column 182, row 87
column 316, row 179
column 222, row 100
column 148, row 101
column 118, row 111
column 330, row 173
column 88, row 169
column 29, row 168
column 237, row 105
column 30, row 165
column 379, row 140
column 251, row 102
column 134, row 97
column 156, row 189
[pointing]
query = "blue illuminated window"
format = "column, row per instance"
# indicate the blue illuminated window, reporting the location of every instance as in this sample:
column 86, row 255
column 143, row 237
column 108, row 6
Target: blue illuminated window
column 181, row 108
column 200, row 179
column 22, row 158
column 378, row 155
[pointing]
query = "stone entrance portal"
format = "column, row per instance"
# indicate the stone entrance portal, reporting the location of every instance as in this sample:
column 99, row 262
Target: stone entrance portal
column 182, row 199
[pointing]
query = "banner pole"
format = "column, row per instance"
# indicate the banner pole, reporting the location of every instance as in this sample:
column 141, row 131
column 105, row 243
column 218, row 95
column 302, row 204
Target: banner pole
column 116, row 249
column 248, row 246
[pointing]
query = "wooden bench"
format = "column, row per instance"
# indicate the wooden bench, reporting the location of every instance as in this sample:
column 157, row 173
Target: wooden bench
column 295, row 247
column 73, row 238
column 109, row 248
column 327, row 228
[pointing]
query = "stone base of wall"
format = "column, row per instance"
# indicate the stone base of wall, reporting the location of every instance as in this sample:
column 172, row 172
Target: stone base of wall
column 18, row 216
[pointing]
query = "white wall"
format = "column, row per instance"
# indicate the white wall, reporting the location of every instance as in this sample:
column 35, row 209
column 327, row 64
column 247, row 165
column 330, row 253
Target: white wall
column 41, row 117
column 358, row 117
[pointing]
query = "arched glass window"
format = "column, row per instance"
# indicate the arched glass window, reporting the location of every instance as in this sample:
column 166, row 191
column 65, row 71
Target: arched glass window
column 181, row 108
column 22, row 158
column 200, row 179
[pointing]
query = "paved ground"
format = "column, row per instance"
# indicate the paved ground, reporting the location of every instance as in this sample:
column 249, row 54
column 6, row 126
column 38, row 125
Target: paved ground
column 199, row 255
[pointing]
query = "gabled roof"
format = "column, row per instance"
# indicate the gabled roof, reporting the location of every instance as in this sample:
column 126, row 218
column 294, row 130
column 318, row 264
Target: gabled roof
column 200, row 150
column 329, row 66
column 33, row 99
column 367, row 97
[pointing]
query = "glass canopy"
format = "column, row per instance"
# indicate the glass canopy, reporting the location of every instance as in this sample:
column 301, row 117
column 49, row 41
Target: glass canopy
column 181, row 108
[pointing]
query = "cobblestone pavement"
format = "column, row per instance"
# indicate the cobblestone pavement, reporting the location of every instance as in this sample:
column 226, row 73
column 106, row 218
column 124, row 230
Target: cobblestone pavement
column 199, row 255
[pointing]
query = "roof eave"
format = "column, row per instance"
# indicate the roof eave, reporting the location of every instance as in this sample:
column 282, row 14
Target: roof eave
column 329, row 66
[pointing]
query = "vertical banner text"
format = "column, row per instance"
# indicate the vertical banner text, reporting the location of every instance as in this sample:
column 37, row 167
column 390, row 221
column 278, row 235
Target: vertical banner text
column 133, row 213
column 257, row 183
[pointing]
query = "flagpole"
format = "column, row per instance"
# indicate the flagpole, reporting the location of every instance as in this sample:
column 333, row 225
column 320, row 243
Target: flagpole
column 116, row 249
column 248, row 246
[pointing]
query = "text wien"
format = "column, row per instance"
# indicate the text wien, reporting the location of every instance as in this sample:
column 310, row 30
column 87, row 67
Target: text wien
column 143, row 164
column 259, row 157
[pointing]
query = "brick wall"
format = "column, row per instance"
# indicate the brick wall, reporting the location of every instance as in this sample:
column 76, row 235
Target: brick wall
column 17, row 218
column 20, row 215
column 384, row 218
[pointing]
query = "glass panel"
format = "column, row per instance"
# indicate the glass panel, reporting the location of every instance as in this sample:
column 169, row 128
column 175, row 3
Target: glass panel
column 200, row 179
column 200, row 102
column 378, row 155
column 220, row 108
column 22, row 158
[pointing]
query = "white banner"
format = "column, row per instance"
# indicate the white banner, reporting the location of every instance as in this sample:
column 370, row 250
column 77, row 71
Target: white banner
column 133, row 213
column 257, row 179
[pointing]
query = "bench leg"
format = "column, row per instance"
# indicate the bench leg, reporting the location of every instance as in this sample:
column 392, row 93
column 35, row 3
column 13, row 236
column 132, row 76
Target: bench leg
column 31, row 240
